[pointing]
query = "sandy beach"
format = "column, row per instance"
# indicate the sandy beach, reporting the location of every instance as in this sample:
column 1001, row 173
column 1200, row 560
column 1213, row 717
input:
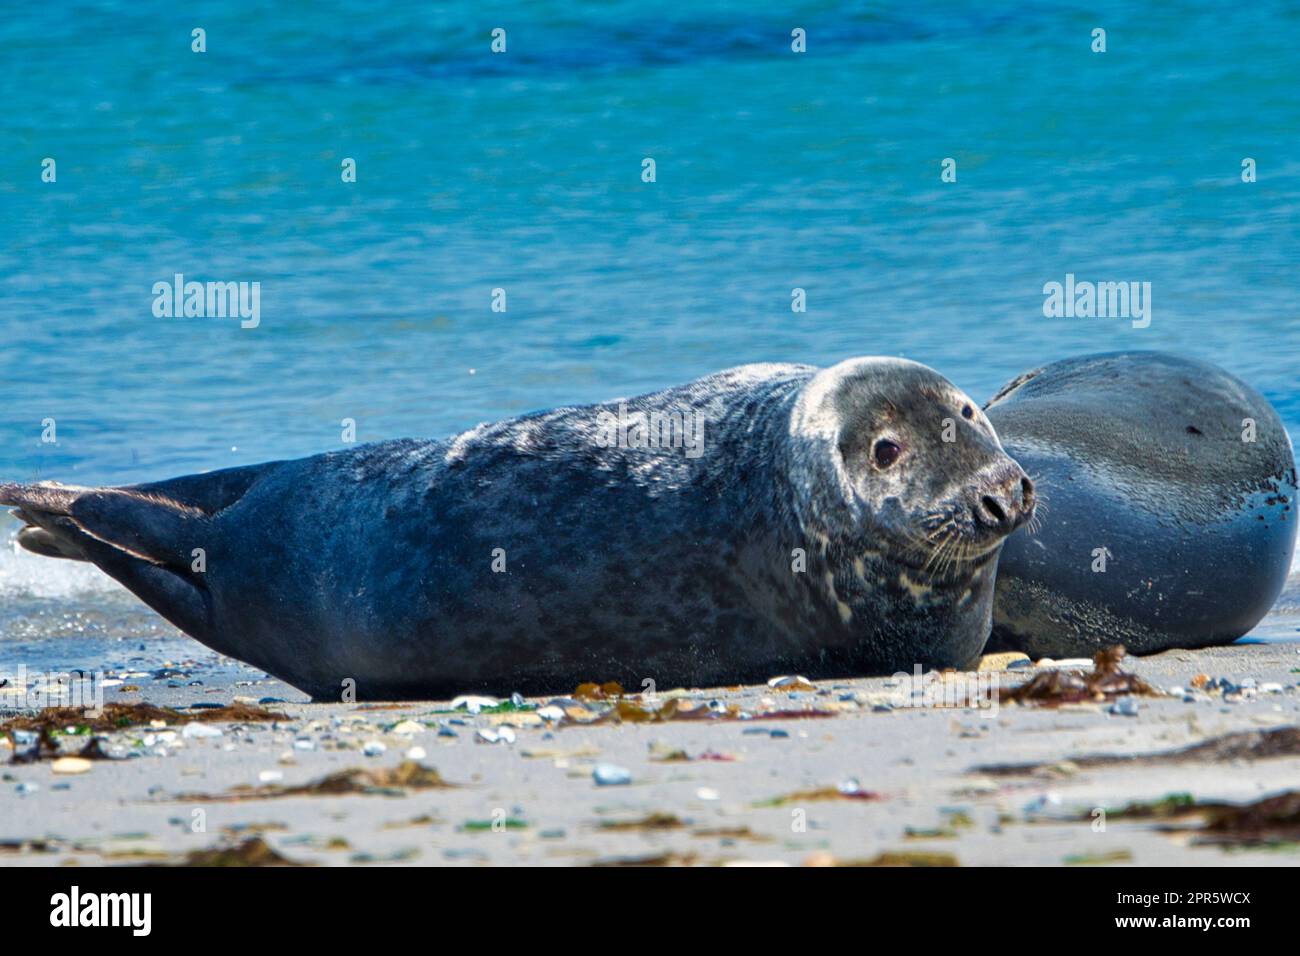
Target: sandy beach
column 835, row 773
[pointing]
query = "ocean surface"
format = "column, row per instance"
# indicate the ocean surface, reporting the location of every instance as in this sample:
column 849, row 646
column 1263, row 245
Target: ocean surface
column 522, row 171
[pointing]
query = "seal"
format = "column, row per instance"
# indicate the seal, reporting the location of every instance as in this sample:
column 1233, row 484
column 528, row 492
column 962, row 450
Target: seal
column 1168, row 506
column 765, row 519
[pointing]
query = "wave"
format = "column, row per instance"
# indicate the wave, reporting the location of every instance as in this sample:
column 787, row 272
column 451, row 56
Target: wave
column 27, row 575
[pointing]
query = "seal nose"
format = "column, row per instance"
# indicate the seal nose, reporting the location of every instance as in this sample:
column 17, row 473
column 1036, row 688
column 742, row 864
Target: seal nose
column 1004, row 506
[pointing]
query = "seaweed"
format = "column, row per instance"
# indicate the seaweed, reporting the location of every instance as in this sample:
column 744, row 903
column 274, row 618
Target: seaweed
column 1239, row 745
column 116, row 716
column 653, row 821
column 1099, row 859
column 1272, row 821
column 593, row 691
column 480, row 826
column 251, row 852
column 1105, row 681
column 389, row 781
column 1170, row 806
column 623, row 710
column 821, row 793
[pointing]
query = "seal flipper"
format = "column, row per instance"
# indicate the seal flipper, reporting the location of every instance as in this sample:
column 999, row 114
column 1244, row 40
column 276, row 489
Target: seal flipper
column 143, row 536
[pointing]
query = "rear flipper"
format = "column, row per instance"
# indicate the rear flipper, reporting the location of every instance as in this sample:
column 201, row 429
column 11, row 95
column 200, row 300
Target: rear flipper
column 144, row 536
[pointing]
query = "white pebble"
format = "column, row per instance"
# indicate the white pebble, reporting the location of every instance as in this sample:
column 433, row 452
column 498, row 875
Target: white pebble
column 611, row 775
column 194, row 730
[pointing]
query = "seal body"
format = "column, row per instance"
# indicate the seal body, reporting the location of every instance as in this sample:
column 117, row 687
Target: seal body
column 1167, row 513
column 837, row 521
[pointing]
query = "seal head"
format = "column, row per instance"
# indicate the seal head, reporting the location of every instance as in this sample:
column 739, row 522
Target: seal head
column 902, row 482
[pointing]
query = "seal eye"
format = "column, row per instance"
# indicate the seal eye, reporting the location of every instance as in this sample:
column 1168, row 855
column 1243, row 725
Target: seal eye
column 967, row 411
column 885, row 453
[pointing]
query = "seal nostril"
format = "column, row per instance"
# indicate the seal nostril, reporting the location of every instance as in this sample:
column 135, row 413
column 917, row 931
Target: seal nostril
column 1027, row 491
column 994, row 509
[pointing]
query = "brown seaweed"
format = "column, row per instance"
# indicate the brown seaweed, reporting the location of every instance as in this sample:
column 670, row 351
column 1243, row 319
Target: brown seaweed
column 251, row 852
column 390, row 781
column 1240, row 745
column 116, row 716
column 1060, row 686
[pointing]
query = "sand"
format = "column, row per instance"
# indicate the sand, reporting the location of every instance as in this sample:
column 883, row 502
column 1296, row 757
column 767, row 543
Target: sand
column 869, row 779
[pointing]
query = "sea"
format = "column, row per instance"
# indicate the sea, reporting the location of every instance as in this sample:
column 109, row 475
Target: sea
column 458, row 212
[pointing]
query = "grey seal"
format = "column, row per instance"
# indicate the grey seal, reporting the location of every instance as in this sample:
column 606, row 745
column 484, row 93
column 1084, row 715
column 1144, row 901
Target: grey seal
column 1168, row 506
column 831, row 522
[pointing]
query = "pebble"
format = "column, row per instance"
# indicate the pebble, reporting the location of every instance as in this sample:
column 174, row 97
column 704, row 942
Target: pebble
column 445, row 731
column 373, row 748
column 707, row 793
column 1071, row 662
column 304, row 743
column 1044, row 803
column 550, row 712
column 473, row 703
column 25, row 788
column 71, row 765
column 416, row 753
column 408, row 728
column 993, row 663
column 270, row 776
column 1124, row 707
column 849, row 787
column 502, row 735
column 194, row 730
column 765, row 732
column 791, row 682
column 611, row 775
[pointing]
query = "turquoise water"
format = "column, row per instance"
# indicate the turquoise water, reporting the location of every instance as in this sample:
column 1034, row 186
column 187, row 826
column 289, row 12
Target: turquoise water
column 522, row 171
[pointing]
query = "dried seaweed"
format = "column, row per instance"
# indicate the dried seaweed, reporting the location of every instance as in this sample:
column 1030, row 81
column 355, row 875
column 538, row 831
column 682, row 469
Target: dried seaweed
column 116, row 716
column 675, row 708
column 593, row 691
column 1169, row 807
column 1105, row 681
column 1099, row 859
column 392, row 781
column 821, row 793
column 1272, row 821
column 1239, row 745
column 653, row 821
column 251, row 852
